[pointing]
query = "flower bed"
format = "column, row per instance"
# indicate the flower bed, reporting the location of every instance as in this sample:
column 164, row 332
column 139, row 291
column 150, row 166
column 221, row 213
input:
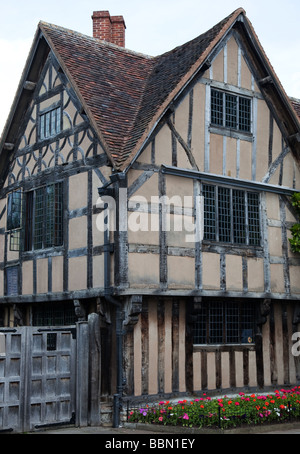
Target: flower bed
column 225, row 412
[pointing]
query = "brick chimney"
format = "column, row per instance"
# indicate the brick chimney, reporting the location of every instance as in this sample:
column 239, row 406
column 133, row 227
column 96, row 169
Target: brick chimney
column 109, row 28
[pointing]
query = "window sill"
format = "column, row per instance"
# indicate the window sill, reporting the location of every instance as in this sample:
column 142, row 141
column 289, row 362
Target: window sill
column 233, row 133
column 47, row 252
column 215, row 246
column 222, row 347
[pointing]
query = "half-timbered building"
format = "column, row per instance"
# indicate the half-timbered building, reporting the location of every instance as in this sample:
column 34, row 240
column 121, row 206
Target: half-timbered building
column 152, row 193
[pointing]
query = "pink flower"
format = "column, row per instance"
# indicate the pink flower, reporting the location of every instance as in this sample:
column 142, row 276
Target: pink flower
column 160, row 418
column 236, row 403
column 185, row 416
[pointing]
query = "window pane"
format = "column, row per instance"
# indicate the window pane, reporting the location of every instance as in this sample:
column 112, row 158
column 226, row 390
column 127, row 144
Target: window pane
column 54, row 314
column 28, row 221
column 199, row 328
column 244, row 114
column 47, row 125
column 49, row 234
column 231, row 217
column 42, row 127
column 224, row 213
column 221, row 322
column 58, row 118
column 216, row 323
column 209, row 212
column 39, row 218
column 48, row 217
column 231, row 111
column 247, row 323
column 14, row 210
column 57, row 234
column 239, row 220
column 50, row 123
column 217, row 107
column 232, row 323
column 253, row 218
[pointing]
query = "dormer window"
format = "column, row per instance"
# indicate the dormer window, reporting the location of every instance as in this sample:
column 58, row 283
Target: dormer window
column 50, row 123
column 230, row 111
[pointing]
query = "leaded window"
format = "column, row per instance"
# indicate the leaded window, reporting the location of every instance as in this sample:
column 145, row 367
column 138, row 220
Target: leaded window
column 43, row 217
column 50, row 123
column 220, row 322
column 230, row 111
column 231, row 215
column 14, row 219
column 54, row 314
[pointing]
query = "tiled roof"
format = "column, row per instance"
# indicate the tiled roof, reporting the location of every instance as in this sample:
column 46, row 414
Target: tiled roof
column 123, row 92
column 109, row 80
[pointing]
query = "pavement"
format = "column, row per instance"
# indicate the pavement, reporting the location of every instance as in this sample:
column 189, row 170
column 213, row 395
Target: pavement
column 132, row 430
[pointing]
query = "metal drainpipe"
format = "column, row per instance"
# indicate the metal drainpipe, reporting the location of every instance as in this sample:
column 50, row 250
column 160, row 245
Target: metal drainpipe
column 118, row 326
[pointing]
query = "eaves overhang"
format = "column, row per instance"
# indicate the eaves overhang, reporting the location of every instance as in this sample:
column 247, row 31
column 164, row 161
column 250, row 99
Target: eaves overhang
column 227, row 181
column 9, row 139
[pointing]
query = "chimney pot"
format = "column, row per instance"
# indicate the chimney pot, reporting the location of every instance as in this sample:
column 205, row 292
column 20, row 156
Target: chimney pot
column 109, row 28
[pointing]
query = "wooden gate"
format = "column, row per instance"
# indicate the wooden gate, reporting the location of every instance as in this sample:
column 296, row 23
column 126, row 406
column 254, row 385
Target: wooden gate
column 43, row 377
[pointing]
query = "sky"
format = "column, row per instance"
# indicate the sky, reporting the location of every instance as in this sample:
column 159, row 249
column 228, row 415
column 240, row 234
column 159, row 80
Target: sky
column 152, row 27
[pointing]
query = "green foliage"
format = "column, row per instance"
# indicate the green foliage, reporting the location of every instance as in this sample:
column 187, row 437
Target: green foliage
column 295, row 229
column 296, row 202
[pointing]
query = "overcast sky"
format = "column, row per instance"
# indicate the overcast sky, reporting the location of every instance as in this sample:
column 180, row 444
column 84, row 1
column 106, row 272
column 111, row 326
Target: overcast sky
column 152, row 27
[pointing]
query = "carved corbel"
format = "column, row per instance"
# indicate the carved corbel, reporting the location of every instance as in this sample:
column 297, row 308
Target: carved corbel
column 263, row 311
column 80, row 311
column 19, row 316
column 132, row 309
column 104, row 311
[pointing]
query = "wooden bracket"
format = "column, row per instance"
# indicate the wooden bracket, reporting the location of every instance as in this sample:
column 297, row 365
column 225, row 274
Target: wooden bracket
column 79, row 311
column 104, row 311
column 263, row 311
column 132, row 309
column 9, row 146
column 266, row 80
column 30, row 86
